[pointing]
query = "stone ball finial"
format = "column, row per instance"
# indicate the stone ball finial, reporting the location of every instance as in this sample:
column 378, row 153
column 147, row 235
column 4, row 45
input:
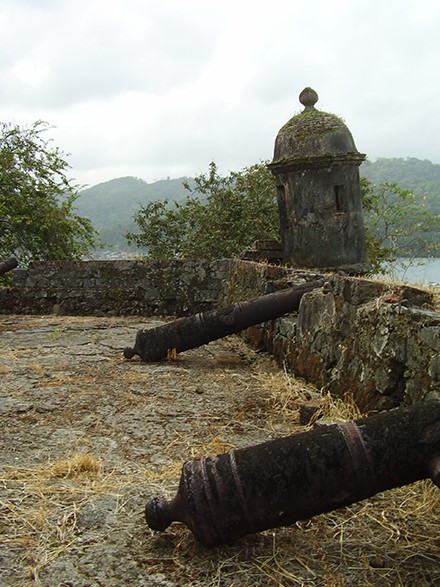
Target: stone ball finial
column 308, row 98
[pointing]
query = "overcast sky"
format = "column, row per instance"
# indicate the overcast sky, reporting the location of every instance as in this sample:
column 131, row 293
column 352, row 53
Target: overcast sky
column 157, row 88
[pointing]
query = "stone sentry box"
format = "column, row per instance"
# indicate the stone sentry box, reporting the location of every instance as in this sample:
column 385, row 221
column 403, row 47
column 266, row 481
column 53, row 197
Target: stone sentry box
column 316, row 165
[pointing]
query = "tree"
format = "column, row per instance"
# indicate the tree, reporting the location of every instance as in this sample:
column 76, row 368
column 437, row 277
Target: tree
column 37, row 214
column 221, row 216
column 397, row 225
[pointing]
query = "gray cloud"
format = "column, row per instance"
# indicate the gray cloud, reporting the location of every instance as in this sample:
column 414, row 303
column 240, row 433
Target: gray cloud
column 160, row 88
column 74, row 52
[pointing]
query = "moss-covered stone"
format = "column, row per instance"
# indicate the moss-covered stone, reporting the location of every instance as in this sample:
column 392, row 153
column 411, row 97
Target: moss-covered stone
column 313, row 135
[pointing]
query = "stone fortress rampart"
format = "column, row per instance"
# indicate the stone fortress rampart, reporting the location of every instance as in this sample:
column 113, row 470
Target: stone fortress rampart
column 379, row 341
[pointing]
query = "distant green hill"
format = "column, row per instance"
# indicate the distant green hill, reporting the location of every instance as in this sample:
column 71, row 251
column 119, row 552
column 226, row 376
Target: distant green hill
column 409, row 173
column 420, row 176
column 111, row 205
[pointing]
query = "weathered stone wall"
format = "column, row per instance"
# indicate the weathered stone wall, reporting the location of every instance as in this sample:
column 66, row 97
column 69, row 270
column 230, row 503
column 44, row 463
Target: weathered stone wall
column 148, row 288
column 247, row 279
column 377, row 340
column 167, row 288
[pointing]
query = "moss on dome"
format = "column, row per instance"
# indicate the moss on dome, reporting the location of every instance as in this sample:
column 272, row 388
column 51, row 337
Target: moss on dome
column 314, row 135
column 312, row 122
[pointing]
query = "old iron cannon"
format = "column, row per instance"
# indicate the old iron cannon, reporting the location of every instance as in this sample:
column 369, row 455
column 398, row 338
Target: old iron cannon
column 193, row 331
column 8, row 265
column 281, row 481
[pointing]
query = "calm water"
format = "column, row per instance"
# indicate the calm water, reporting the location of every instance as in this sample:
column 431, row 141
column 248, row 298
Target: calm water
column 422, row 271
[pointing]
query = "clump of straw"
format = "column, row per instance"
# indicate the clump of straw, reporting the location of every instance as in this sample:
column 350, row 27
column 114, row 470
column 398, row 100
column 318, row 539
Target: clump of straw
column 75, row 466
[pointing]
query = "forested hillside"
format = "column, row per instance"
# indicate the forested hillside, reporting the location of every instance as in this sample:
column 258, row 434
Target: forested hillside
column 420, row 176
column 410, row 173
column 111, row 205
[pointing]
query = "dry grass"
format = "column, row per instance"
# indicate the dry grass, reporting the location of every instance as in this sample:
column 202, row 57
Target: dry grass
column 40, row 514
column 286, row 393
column 336, row 409
column 39, row 517
column 391, row 540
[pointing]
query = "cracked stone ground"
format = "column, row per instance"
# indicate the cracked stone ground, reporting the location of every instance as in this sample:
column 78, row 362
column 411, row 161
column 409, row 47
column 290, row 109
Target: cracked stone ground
column 87, row 438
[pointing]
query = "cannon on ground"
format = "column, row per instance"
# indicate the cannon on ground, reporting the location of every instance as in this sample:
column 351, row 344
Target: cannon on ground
column 194, row 331
column 278, row 482
column 8, row 265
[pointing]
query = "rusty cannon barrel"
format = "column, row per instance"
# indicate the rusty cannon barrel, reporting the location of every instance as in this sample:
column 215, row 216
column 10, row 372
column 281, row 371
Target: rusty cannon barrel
column 8, row 265
column 194, row 331
column 281, row 481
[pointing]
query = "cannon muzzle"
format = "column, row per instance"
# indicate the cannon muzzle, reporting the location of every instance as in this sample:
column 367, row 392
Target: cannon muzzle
column 199, row 329
column 281, row 481
column 8, row 265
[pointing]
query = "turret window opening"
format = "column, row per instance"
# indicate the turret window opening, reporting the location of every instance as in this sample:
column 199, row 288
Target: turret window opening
column 340, row 198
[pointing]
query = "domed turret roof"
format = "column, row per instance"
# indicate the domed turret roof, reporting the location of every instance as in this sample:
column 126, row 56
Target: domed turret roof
column 314, row 136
